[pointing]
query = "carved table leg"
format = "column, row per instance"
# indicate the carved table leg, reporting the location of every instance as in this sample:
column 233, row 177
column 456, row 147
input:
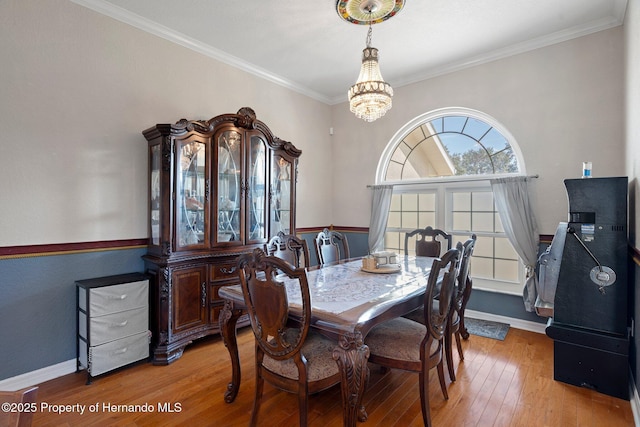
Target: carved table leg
column 352, row 355
column 228, row 320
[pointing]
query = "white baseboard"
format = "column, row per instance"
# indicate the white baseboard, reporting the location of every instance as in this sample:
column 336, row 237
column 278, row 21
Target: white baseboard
column 38, row 376
column 526, row 325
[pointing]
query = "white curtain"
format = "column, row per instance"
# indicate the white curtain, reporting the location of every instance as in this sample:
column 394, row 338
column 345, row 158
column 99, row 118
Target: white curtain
column 380, row 204
column 512, row 200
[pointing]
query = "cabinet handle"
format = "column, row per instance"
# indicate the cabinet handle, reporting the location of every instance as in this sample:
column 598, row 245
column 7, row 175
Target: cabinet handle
column 203, row 294
column 118, row 297
column 226, row 270
column 206, row 190
column 121, row 351
column 119, row 325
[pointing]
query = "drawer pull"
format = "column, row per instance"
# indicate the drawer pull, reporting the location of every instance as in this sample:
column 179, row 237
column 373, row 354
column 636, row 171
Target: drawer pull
column 121, row 351
column 226, row 270
column 118, row 297
column 120, row 325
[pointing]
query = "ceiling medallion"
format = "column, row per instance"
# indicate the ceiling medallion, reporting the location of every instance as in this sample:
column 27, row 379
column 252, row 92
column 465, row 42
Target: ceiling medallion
column 365, row 12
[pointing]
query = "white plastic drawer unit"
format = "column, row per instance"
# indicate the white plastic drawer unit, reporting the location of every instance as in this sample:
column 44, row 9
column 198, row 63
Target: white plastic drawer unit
column 113, row 322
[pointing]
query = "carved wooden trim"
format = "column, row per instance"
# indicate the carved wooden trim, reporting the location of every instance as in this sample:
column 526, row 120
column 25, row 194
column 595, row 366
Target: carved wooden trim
column 352, row 356
column 69, row 248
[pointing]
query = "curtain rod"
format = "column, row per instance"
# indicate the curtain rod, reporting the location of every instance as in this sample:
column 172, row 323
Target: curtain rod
column 448, row 181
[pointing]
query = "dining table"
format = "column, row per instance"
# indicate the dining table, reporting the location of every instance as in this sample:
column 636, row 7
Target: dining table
column 347, row 300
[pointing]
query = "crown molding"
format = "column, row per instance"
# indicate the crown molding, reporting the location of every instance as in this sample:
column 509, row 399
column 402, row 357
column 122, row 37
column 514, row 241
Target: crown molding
column 105, row 8
column 518, row 48
column 151, row 27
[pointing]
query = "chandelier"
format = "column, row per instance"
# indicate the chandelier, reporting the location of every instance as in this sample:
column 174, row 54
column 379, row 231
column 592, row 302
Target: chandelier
column 370, row 97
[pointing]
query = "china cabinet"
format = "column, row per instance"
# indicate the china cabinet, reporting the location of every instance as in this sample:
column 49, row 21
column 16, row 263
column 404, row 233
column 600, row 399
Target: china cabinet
column 217, row 189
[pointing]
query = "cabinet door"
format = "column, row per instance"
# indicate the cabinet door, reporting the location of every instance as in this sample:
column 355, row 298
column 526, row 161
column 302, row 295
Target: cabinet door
column 281, row 207
column 189, row 298
column 155, row 159
column 191, row 194
column 257, row 186
column 229, row 188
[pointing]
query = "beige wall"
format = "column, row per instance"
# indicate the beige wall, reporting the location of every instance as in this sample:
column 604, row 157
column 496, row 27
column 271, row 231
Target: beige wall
column 563, row 104
column 76, row 90
column 632, row 137
column 632, row 113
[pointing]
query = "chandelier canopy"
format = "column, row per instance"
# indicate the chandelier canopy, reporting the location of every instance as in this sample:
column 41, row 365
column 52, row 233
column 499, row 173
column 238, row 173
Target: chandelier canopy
column 370, row 97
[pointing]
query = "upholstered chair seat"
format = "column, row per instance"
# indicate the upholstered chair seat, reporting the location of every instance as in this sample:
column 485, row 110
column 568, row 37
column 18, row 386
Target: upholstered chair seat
column 320, row 364
column 384, row 340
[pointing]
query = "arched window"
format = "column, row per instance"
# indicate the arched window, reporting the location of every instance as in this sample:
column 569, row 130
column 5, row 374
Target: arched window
column 440, row 164
column 450, row 142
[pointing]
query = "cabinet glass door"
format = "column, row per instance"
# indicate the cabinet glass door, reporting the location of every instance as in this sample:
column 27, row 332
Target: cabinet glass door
column 229, row 148
column 191, row 194
column 281, row 176
column 154, row 193
column 257, row 190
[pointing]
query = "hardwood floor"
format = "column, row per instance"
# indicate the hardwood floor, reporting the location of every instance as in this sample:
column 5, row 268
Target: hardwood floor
column 500, row 383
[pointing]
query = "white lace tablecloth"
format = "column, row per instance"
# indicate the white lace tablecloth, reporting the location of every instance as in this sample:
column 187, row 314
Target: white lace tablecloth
column 343, row 296
column 339, row 288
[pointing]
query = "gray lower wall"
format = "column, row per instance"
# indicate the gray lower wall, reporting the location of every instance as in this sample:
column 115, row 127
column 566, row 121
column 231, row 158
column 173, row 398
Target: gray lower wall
column 38, row 305
column 484, row 301
column 37, row 308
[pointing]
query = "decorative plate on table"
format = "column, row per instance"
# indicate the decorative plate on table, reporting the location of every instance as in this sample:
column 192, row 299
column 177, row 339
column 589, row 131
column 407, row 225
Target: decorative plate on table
column 383, row 269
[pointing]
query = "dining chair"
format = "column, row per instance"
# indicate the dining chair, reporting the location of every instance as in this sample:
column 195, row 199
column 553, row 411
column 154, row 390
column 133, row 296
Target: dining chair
column 289, row 356
column 461, row 293
column 331, row 246
column 25, row 398
column 428, row 247
column 431, row 247
column 289, row 248
column 408, row 345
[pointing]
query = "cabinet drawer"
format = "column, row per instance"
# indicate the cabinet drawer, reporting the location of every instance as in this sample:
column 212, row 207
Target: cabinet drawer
column 227, row 272
column 113, row 326
column 114, row 354
column 112, row 299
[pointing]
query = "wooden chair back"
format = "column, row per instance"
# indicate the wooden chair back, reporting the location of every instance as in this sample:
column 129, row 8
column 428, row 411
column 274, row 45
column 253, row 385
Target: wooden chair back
column 289, row 248
column 463, row 283
column 268, row 305
column 288, row 354
column 429, row 242
column 455, row 326
column 436, row 311
column 331, row 246
column 25, row 398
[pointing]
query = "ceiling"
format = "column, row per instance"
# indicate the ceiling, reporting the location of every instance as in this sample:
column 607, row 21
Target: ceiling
column 305, row 46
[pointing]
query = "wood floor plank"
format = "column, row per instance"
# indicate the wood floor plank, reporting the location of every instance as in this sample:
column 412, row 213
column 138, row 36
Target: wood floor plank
column 499, row 383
